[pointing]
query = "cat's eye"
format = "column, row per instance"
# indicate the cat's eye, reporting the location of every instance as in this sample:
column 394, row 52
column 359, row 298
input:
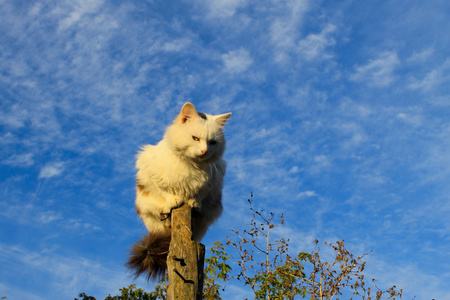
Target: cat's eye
column 195, row 138
column 212, row 142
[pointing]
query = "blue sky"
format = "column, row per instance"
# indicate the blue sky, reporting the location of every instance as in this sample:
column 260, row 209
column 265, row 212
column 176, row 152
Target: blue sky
column 340, row 121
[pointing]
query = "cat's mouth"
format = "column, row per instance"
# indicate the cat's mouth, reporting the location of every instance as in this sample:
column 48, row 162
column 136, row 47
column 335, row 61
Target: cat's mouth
column 204, row 158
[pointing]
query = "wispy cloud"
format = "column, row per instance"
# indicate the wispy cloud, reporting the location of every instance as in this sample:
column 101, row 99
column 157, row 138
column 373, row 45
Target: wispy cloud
column 284, row 27
column 73, row 12
column 224, row 8
column 19, row 160
column 28, row 213
column 378, row 72
column 66, row 277
column 407, row 276
column 433, row 79
column 237, row 61
column 314, row 45
column 51, row 170
column 13, row 116
column 421, row 56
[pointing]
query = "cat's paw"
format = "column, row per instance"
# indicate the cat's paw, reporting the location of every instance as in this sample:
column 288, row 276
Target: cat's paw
column 193, row 203
column 172, row 203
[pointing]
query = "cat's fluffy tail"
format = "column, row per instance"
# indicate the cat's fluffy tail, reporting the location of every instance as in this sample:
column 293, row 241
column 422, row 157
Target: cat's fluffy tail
column 149, row 255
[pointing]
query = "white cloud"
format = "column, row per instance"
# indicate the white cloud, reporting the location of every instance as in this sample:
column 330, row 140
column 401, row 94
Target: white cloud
column 433, row 79
column 294, row 170
column 224, row 8
column 75, row 10
column 437, row 163
column 413, row 279
column 377, row 72
column 413, row 118
column 307, row 194
column 237, row 61
column 421, row 56
column 354, row 135
column 320, row 163
column 35, row 10
column 281, row 33
column 20, row 160
column 14, row 117
column 314, row 45
column 81, row 225
column 29, row 214
column 177, row 45
column 441, row 100
column 284, row 28
column 51, row 170
column 66, row 276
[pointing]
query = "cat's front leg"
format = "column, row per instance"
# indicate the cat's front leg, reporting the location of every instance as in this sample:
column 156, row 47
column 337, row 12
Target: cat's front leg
column 172, row 202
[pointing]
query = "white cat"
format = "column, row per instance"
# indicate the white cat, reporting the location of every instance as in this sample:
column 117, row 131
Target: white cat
column 186, row 166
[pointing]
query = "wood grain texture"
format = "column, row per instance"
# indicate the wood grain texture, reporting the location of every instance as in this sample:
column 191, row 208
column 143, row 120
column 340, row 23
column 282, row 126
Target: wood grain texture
column 186, row 258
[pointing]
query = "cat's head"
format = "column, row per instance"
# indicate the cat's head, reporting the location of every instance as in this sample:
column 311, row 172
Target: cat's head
column 197, row 136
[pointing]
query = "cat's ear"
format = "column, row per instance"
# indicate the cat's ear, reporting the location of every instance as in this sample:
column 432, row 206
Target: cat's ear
column 187, row 112
column 222, row 119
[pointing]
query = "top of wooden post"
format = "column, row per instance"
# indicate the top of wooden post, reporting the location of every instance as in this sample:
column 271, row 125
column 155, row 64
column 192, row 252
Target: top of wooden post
column 186, row 258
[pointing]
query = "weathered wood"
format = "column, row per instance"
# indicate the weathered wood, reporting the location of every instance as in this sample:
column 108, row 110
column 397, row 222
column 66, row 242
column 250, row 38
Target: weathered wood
column 186, row 258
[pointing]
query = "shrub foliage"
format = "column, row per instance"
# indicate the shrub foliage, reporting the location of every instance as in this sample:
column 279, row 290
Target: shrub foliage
column 271, row 272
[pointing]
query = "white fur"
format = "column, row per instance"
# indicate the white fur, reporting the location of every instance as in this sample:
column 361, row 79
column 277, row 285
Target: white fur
column 186, row 166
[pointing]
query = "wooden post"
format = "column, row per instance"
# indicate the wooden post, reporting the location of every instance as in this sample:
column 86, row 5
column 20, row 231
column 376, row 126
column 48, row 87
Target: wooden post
column 185, row 259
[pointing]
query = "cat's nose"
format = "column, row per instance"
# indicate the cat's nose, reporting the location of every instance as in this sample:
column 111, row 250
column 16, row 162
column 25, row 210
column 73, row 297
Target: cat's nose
column 204, row 151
